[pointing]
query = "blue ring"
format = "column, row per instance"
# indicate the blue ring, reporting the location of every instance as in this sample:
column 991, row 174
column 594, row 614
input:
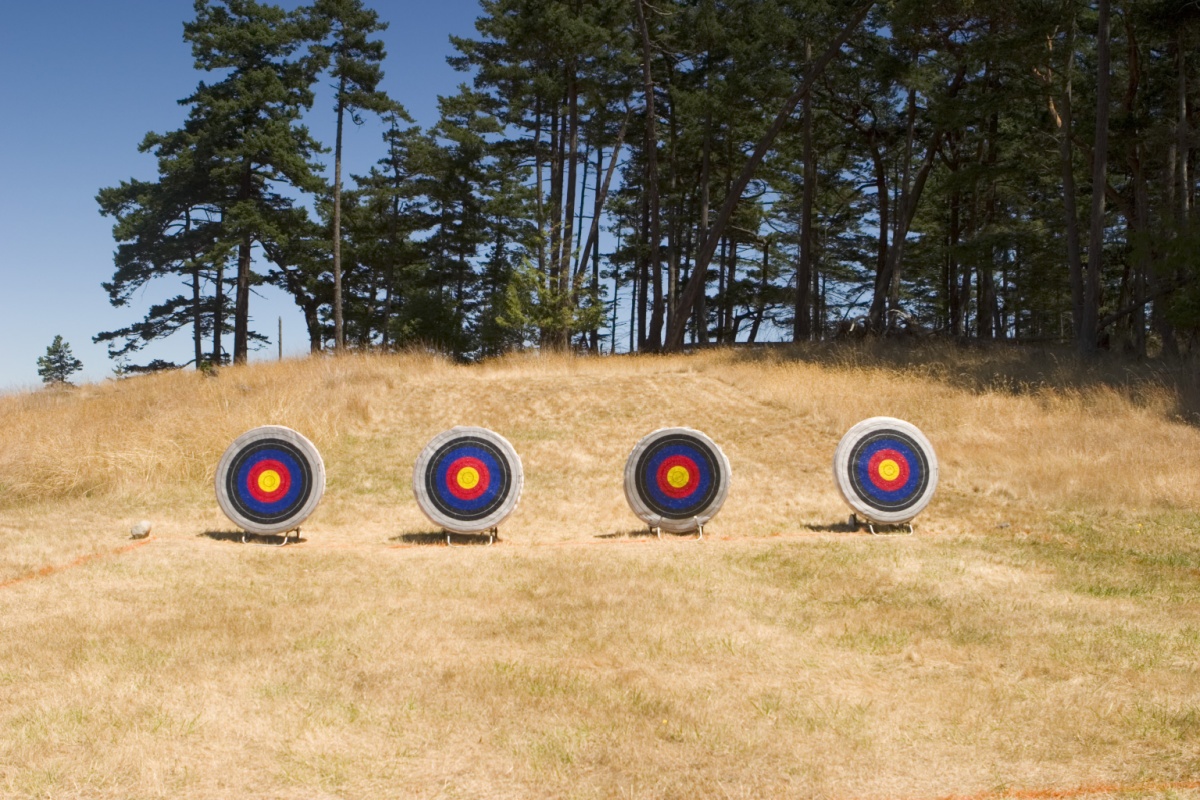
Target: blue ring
column 895, row 496
column 442, row 485
column 283, row 504
column 650, row 477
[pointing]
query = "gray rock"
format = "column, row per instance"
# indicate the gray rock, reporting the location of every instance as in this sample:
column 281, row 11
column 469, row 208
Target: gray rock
column 141, row 530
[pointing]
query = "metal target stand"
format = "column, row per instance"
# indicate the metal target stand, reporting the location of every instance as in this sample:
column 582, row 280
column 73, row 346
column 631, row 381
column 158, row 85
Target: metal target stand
column 657, row 531
column 884, row 530
column 286, row 536
column 493, row 535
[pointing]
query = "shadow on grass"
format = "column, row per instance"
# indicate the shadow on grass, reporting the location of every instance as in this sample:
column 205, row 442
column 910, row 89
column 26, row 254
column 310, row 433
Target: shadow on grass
column 643, row 533
column 443, row 538
column 838, row 527
column 251, row 538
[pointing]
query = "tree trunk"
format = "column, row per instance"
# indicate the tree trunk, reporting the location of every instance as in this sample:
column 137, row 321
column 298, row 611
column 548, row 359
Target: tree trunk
column 539, row 193
column 1066, row 160
column 1088, row 341
column 592, row 244
column 197, row 308
column 700, row 275
column 197, row 318
column 802, row 325
column 218, row 314
column 339, row 334
column 721, row 291
column 760, row 308
column 1181, row 133
column 241, row 303
column 654, row 339
column 555, row 216
column 957, row 310
column 595, row 286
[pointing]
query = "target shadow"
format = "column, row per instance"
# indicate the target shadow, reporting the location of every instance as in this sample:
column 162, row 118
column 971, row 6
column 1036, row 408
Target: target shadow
column 433, row 539
column 837, row 527
column 251, row 538
column 640, row 533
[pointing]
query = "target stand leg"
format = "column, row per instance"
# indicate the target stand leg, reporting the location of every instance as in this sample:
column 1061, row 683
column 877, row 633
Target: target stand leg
column 656, row 531
column 699, row 529
column 286, row 537
column 900, row 532
column 493, row 535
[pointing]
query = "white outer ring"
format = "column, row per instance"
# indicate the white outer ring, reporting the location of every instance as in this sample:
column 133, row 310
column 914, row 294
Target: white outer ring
column 841, row 470
column 493, row 520
column 652, row 518
column 271, row 432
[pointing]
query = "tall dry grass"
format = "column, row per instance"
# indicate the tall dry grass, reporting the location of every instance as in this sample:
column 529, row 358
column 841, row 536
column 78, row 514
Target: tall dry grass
column 1006, row 425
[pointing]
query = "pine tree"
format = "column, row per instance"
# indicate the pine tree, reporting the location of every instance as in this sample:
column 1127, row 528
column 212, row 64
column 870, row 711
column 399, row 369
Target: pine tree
column 355, row 65
column 167, row 227
column 58, row 364
column 250, row 122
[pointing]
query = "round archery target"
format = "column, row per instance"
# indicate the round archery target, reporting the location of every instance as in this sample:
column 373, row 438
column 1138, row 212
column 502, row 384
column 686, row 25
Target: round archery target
column 676, row 478
column 886, row 470
column 270, row 480
column 468, row 480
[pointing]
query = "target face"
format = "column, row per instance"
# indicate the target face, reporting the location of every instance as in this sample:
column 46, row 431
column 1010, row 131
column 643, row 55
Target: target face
column 676, row 478
column 886, row 470
column 270, row 480
column 468, row 480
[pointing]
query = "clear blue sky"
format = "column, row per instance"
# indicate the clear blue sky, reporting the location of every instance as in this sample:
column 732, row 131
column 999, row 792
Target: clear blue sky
column 84, row 82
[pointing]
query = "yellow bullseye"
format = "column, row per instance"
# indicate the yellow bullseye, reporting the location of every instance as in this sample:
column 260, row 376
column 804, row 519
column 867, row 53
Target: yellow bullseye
column 889, row 470
column 678, row 477
column 468, row 477
column 269, row 480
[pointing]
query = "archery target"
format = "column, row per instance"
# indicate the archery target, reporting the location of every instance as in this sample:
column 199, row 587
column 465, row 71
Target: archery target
column 270, row 480
column 886, row 470
column 468, row 480
column 676, row 478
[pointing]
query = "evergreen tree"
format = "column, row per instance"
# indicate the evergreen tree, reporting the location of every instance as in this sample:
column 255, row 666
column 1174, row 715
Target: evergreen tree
column 355, row 65
column 163, row 228
column 250, row 123
column 393, row 210
column 58, row 364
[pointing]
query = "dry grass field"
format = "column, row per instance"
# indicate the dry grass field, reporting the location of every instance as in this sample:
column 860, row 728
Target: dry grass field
column 1038, row 637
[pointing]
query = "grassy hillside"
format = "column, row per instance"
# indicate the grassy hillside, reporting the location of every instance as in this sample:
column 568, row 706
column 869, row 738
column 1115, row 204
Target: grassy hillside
column 1041, row 630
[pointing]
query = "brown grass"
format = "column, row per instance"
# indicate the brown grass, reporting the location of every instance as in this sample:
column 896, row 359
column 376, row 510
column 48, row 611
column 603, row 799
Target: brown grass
column 1041, row 632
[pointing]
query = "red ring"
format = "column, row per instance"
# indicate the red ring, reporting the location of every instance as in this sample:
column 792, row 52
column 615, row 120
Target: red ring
column 881, row 483
column 285, row 480
column 665, row 467
column 457, row 466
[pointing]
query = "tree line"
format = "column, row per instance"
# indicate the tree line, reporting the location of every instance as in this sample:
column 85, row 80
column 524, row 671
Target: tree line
column 654, row 174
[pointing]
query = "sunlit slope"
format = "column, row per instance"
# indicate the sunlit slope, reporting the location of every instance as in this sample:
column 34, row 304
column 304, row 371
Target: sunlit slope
column 113, row 453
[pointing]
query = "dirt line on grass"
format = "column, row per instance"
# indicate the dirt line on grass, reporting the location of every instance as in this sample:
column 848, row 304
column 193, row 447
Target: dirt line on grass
column 54, row 569
column 641, row 540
